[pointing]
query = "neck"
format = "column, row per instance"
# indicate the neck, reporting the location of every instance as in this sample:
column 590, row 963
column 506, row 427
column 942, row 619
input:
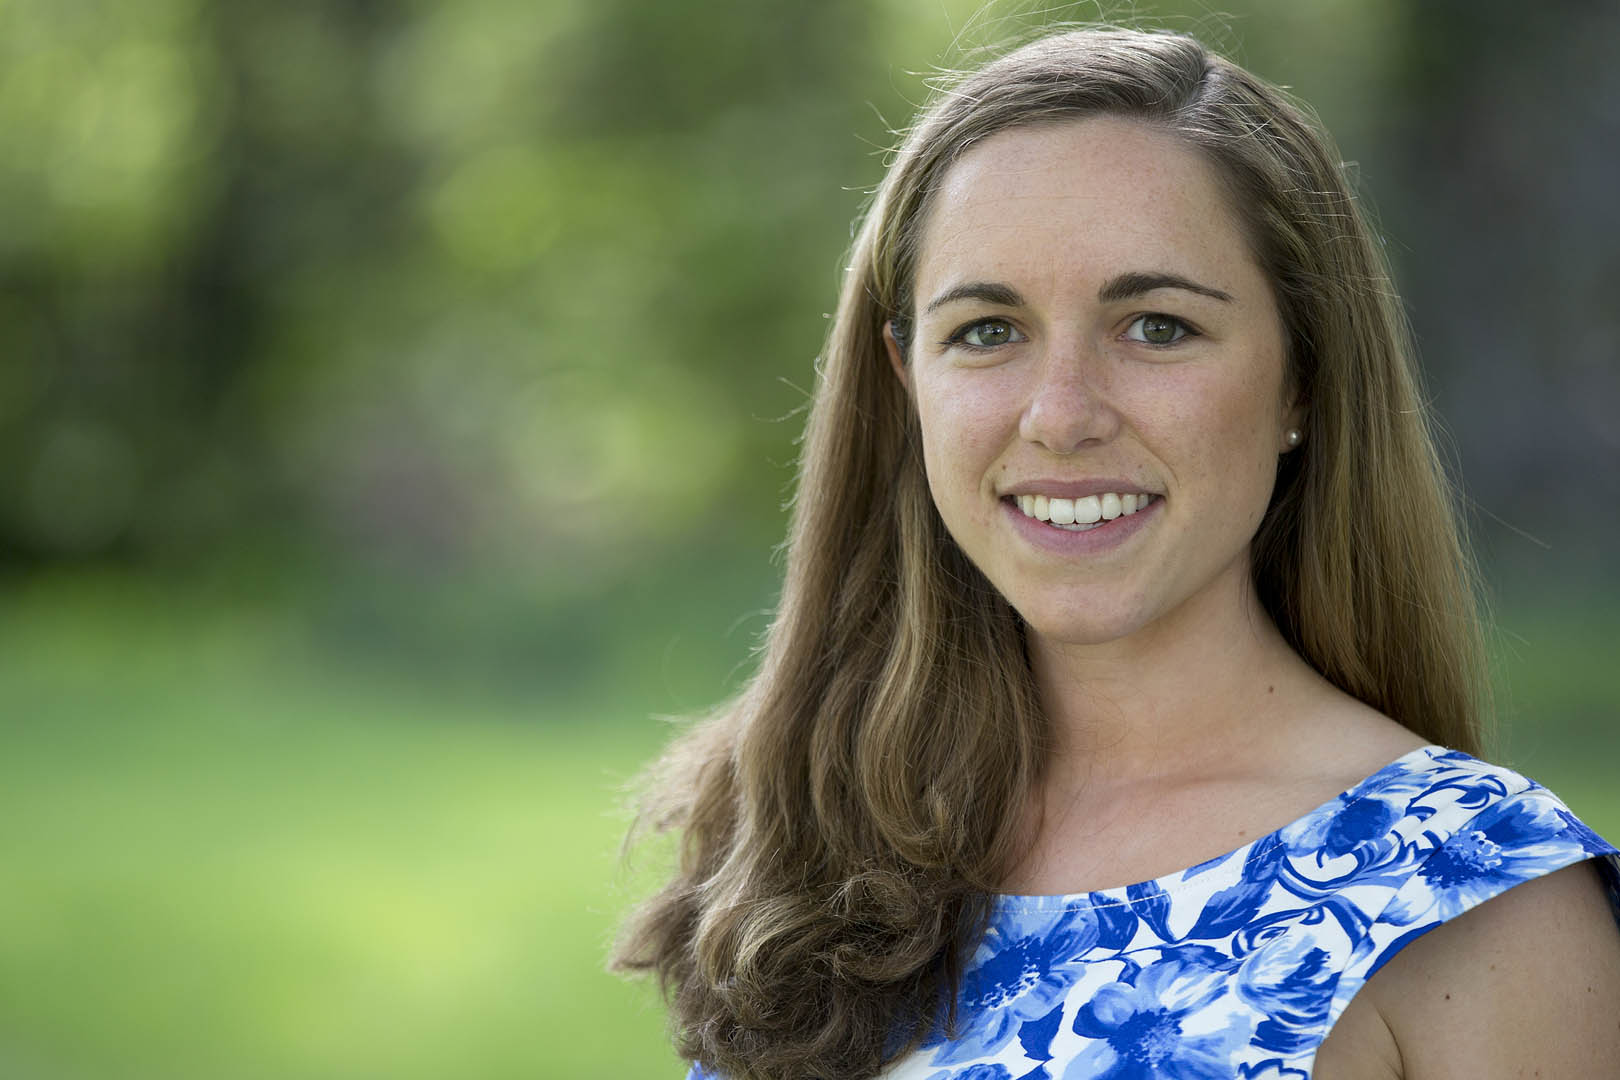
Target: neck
column 1206, row 684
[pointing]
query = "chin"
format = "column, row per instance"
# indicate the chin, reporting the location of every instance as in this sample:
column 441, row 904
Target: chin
column 1085, row 626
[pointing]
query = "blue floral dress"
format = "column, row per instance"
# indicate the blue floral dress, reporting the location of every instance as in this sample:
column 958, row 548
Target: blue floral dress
column 1237, row 967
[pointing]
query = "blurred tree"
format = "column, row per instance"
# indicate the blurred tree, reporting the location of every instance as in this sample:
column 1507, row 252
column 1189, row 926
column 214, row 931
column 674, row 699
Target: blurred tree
column 418, row 293
column 442, row 280
column 110, row 124
column 1506, row 154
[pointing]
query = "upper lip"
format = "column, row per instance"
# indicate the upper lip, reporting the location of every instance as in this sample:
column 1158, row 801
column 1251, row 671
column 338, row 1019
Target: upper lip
column 1075, row 489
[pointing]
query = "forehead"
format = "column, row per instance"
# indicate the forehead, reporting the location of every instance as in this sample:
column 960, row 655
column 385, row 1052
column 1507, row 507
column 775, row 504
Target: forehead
column 1082, row 198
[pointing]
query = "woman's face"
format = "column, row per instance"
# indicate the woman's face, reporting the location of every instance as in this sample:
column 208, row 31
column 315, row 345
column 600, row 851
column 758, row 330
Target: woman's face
column 1098, row 368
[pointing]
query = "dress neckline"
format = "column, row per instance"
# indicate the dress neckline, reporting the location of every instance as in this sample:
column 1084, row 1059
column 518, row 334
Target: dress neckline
column 1178, row 879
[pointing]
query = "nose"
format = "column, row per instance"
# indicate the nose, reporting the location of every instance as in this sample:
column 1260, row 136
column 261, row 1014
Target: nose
column 1069, row 407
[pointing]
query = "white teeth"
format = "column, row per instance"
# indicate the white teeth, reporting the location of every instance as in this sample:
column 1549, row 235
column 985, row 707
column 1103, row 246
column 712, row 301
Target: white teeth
column 1086, row 511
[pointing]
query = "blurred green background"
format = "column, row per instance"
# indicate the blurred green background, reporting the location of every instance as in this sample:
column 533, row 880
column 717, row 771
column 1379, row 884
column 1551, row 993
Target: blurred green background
column 397, row 405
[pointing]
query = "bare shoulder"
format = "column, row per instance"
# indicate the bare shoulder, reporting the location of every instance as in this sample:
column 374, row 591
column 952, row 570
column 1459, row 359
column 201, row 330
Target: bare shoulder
column 1525, row 984
column 1336, row 731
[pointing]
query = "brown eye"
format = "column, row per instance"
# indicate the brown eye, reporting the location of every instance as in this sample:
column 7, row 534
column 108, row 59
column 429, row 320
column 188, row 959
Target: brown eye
column 1156, row 329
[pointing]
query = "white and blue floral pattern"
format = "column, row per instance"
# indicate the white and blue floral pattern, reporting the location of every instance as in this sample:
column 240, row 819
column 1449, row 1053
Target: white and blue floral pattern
column 1239, row 966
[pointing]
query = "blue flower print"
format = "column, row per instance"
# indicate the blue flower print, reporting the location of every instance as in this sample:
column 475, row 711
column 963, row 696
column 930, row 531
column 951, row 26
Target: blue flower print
column 1359, row 822
column 1290, row 981
column 1139, row 1029
column 1577, row 830
column 1022, row 970
column 975, row 1072
column 1513, row 841
column 1151, row 904
column 1232, row 908
column 1231, row 969
column 1116, row 922
column 1272, row 1069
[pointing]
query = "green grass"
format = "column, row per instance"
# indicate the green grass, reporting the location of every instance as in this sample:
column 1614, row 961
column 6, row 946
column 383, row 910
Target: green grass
column 227, row 861
column 232, row 855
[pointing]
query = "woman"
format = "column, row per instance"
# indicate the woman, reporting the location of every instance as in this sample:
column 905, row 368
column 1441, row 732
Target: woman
column 1100, row 731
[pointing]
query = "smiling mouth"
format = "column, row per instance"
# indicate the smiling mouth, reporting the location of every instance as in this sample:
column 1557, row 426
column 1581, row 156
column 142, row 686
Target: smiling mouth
column 1081, row 515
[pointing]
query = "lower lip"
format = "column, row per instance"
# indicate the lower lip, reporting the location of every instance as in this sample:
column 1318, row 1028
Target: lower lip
column 1104, row 538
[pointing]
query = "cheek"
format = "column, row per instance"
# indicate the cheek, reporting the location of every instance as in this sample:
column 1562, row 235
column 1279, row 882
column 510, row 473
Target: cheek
column 1226, row 429
column 1248, row 420
column 964, row 425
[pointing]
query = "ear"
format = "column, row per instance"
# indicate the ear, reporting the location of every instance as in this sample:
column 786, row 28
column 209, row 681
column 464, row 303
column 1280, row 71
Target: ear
column 897, row 355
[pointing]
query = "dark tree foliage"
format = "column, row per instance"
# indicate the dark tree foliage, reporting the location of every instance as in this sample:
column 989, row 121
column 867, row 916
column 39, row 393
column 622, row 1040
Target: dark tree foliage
column 508, row 284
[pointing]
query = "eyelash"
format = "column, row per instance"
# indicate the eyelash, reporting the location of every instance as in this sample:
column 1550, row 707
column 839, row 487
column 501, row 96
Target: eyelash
column 958, row 336
column 1186, row 328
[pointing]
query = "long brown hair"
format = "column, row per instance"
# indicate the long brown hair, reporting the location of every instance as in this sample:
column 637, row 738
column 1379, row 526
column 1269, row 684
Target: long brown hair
column 844, row 820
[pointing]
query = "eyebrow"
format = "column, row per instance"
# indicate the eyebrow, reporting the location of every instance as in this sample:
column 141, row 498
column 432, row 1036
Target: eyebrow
column 991, row 292
column 1135, row 283
column 1119, row 287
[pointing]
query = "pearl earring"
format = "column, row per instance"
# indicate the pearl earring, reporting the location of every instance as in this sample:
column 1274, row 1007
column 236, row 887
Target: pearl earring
column 1294, row 437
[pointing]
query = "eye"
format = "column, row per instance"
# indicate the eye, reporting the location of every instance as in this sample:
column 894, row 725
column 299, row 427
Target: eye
column 985, row 334
column 1157, row 329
